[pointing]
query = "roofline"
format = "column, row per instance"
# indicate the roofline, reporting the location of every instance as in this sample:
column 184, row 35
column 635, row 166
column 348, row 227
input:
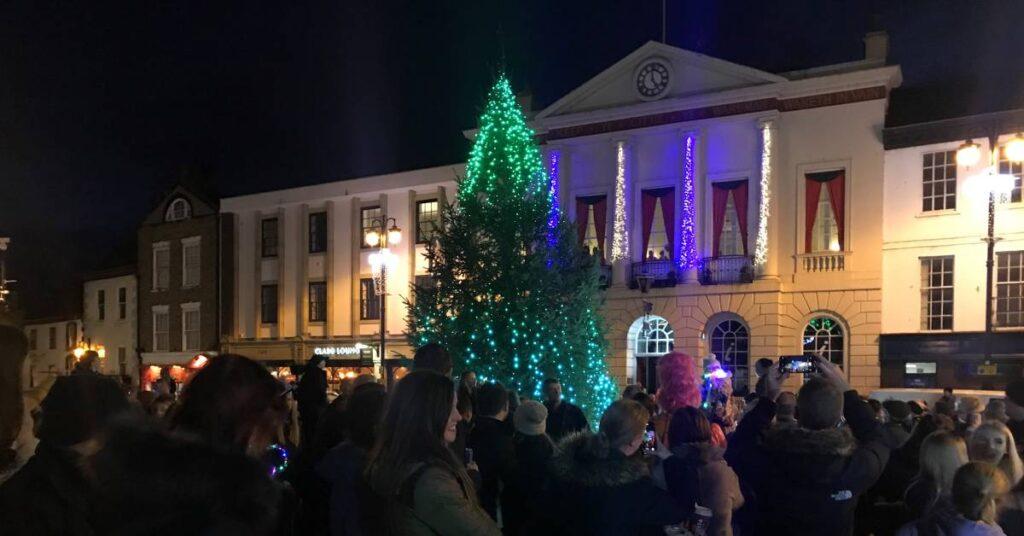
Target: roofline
column 52, row 320
column 953, row 129
column 355, row 185
column 109, row 273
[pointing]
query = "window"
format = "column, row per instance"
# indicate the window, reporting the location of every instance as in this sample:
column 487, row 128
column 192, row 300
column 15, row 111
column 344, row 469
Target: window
column 70, row 335
column 122, row 361
column 268, row 237
column 178, row 210
column 33, row 341
column 658, row 245
column 824, row 335
column 161, row 329
column 1010, row 289
column 656, row 338
column 731, row 240
column 730, row 342
column 318, row 301
column 53, row 337
column 161, row 266
column 1016, row 169
column 318, row 232
column 122, row 303
column 367, row 215
column 268, row 304
column 426, row 281
column 590, row 241
column 939, row 181
column 369, row 303
column 189, row 327
column 927, row 367
column 190, row 262
column 428, row 220
column 937, row 293
column 825, row 236
column 101, row 304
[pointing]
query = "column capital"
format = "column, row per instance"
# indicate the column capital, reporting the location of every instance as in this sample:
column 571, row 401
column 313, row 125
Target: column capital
column 769, row 121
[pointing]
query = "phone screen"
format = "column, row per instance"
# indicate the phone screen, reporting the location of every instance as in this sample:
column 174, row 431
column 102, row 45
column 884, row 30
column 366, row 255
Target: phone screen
column 796, row 364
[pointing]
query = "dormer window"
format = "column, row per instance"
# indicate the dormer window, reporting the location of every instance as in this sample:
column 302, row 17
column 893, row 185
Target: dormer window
column 179, row 209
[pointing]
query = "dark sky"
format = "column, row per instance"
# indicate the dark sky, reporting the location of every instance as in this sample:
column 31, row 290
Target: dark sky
column 103, row 105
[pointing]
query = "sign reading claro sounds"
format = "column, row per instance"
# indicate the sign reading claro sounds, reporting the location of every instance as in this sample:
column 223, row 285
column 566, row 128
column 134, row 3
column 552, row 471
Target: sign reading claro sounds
column 355, row 349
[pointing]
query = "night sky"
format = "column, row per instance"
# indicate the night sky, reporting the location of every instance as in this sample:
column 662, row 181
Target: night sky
column 105, row 105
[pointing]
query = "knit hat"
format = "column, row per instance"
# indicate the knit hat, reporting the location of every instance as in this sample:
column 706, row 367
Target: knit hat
column 1015, row 392
column 530, row 418
column 897, row 409
column 970, row 404
column 78, row 407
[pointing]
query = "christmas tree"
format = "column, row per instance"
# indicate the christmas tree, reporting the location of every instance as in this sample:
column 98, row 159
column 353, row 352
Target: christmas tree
column 514, row 296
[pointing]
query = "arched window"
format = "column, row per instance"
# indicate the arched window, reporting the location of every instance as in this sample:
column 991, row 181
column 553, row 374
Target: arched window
column 178, row 210
column 825, row 335
column 649, row 338
column 730, row 342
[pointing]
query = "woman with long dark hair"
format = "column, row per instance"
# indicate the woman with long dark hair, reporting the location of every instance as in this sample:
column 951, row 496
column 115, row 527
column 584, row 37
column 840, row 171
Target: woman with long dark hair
column 696, row 474
column 424, row 486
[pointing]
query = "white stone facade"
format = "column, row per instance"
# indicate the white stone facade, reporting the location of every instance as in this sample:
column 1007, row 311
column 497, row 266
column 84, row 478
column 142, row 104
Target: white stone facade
column 50, row 342
column 109, row 320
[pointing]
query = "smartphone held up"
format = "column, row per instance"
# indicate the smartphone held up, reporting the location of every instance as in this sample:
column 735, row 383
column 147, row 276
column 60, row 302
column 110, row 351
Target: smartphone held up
column 797, row 364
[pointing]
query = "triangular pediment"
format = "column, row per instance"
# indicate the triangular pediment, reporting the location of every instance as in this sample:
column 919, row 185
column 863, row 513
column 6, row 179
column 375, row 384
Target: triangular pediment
column 689, row 73
column 199, row 205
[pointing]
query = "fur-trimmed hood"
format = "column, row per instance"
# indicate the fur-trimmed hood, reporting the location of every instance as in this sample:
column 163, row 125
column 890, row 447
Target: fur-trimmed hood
column 797, row 440
column 585, row 459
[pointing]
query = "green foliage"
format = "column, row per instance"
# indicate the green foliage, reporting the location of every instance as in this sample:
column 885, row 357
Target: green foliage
column 513, row 298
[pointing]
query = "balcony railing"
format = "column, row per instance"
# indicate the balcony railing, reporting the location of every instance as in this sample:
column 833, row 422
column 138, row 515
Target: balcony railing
column 826, row 261
column 604, row 277
column 727, row 270
column 661, row 273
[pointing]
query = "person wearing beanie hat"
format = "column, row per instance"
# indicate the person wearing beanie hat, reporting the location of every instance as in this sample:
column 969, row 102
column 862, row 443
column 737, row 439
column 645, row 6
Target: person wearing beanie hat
column 1015, row 409
column 995, row 410
column 50, row 494
column 899, row 413
column 524, row 510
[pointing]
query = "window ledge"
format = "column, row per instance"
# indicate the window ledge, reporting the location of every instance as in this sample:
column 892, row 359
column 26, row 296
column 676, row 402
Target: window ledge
column 937, row 213
column 935, row 331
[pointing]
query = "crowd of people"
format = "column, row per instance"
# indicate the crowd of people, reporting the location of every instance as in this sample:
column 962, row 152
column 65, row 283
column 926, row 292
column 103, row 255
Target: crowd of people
column 235, row 451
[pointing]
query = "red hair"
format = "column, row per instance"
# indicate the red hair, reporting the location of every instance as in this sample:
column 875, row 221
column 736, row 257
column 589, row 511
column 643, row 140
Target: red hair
column 678, row 385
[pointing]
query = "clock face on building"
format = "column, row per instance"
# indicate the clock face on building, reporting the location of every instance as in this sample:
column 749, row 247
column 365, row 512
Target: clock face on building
column 652, row 79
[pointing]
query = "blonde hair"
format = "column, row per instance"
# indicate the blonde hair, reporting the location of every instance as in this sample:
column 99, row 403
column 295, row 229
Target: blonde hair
column 976, row 487
column 942, row 453
column 1010, row 462
column 623, row 421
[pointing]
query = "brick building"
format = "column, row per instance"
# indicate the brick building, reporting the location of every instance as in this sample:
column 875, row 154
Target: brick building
column 179, row 271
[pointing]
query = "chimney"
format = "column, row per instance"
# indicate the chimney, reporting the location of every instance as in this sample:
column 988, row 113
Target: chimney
column 876, row 46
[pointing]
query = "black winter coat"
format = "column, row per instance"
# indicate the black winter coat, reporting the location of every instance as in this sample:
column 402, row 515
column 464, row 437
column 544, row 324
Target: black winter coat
column 564, row 420
column 808, row 481
column 495, row 455
column 48, row 495
column 342, row 468
column 522, row 508
column 609, row 495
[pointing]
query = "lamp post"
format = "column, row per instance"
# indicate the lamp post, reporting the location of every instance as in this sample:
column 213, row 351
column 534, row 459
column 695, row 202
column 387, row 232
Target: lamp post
column 380, row 235
column 995, row 183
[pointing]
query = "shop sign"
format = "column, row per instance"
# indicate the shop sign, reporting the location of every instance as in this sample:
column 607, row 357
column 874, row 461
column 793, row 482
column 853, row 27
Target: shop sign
column 355, row 350
column 988, row 370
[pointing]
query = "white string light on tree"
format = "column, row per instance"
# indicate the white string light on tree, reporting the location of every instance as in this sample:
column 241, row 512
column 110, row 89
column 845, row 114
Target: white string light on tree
column 620, row 236
column 761, row 247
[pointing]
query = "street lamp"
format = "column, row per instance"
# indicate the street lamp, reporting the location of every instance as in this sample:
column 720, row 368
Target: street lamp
column 968, row 154
column 380, row 235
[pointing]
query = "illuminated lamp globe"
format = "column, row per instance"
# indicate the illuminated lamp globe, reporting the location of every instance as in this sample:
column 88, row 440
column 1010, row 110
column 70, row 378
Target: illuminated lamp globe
column 968, row 154
column 1014, row 149
column 394, row 235
column 78, row 352
column 372, row 239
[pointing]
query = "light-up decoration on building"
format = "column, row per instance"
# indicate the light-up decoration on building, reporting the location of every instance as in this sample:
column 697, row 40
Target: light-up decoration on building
column 688, row 216
column 763, row 209
column 620, row 236
column 553, row 178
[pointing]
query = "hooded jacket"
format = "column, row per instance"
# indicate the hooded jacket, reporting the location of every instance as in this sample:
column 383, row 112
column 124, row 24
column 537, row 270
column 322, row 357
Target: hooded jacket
column 697, row 473
column 808, row 481
column 596, row 490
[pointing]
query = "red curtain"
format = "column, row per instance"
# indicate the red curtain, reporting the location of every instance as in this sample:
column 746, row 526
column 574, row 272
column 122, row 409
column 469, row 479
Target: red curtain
column 647, row 214
column 812, row 193
column 836, row 187
column 600, row 218
column 739, row 199
column 582, row 217
column 719, row 198
column 668, row 214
